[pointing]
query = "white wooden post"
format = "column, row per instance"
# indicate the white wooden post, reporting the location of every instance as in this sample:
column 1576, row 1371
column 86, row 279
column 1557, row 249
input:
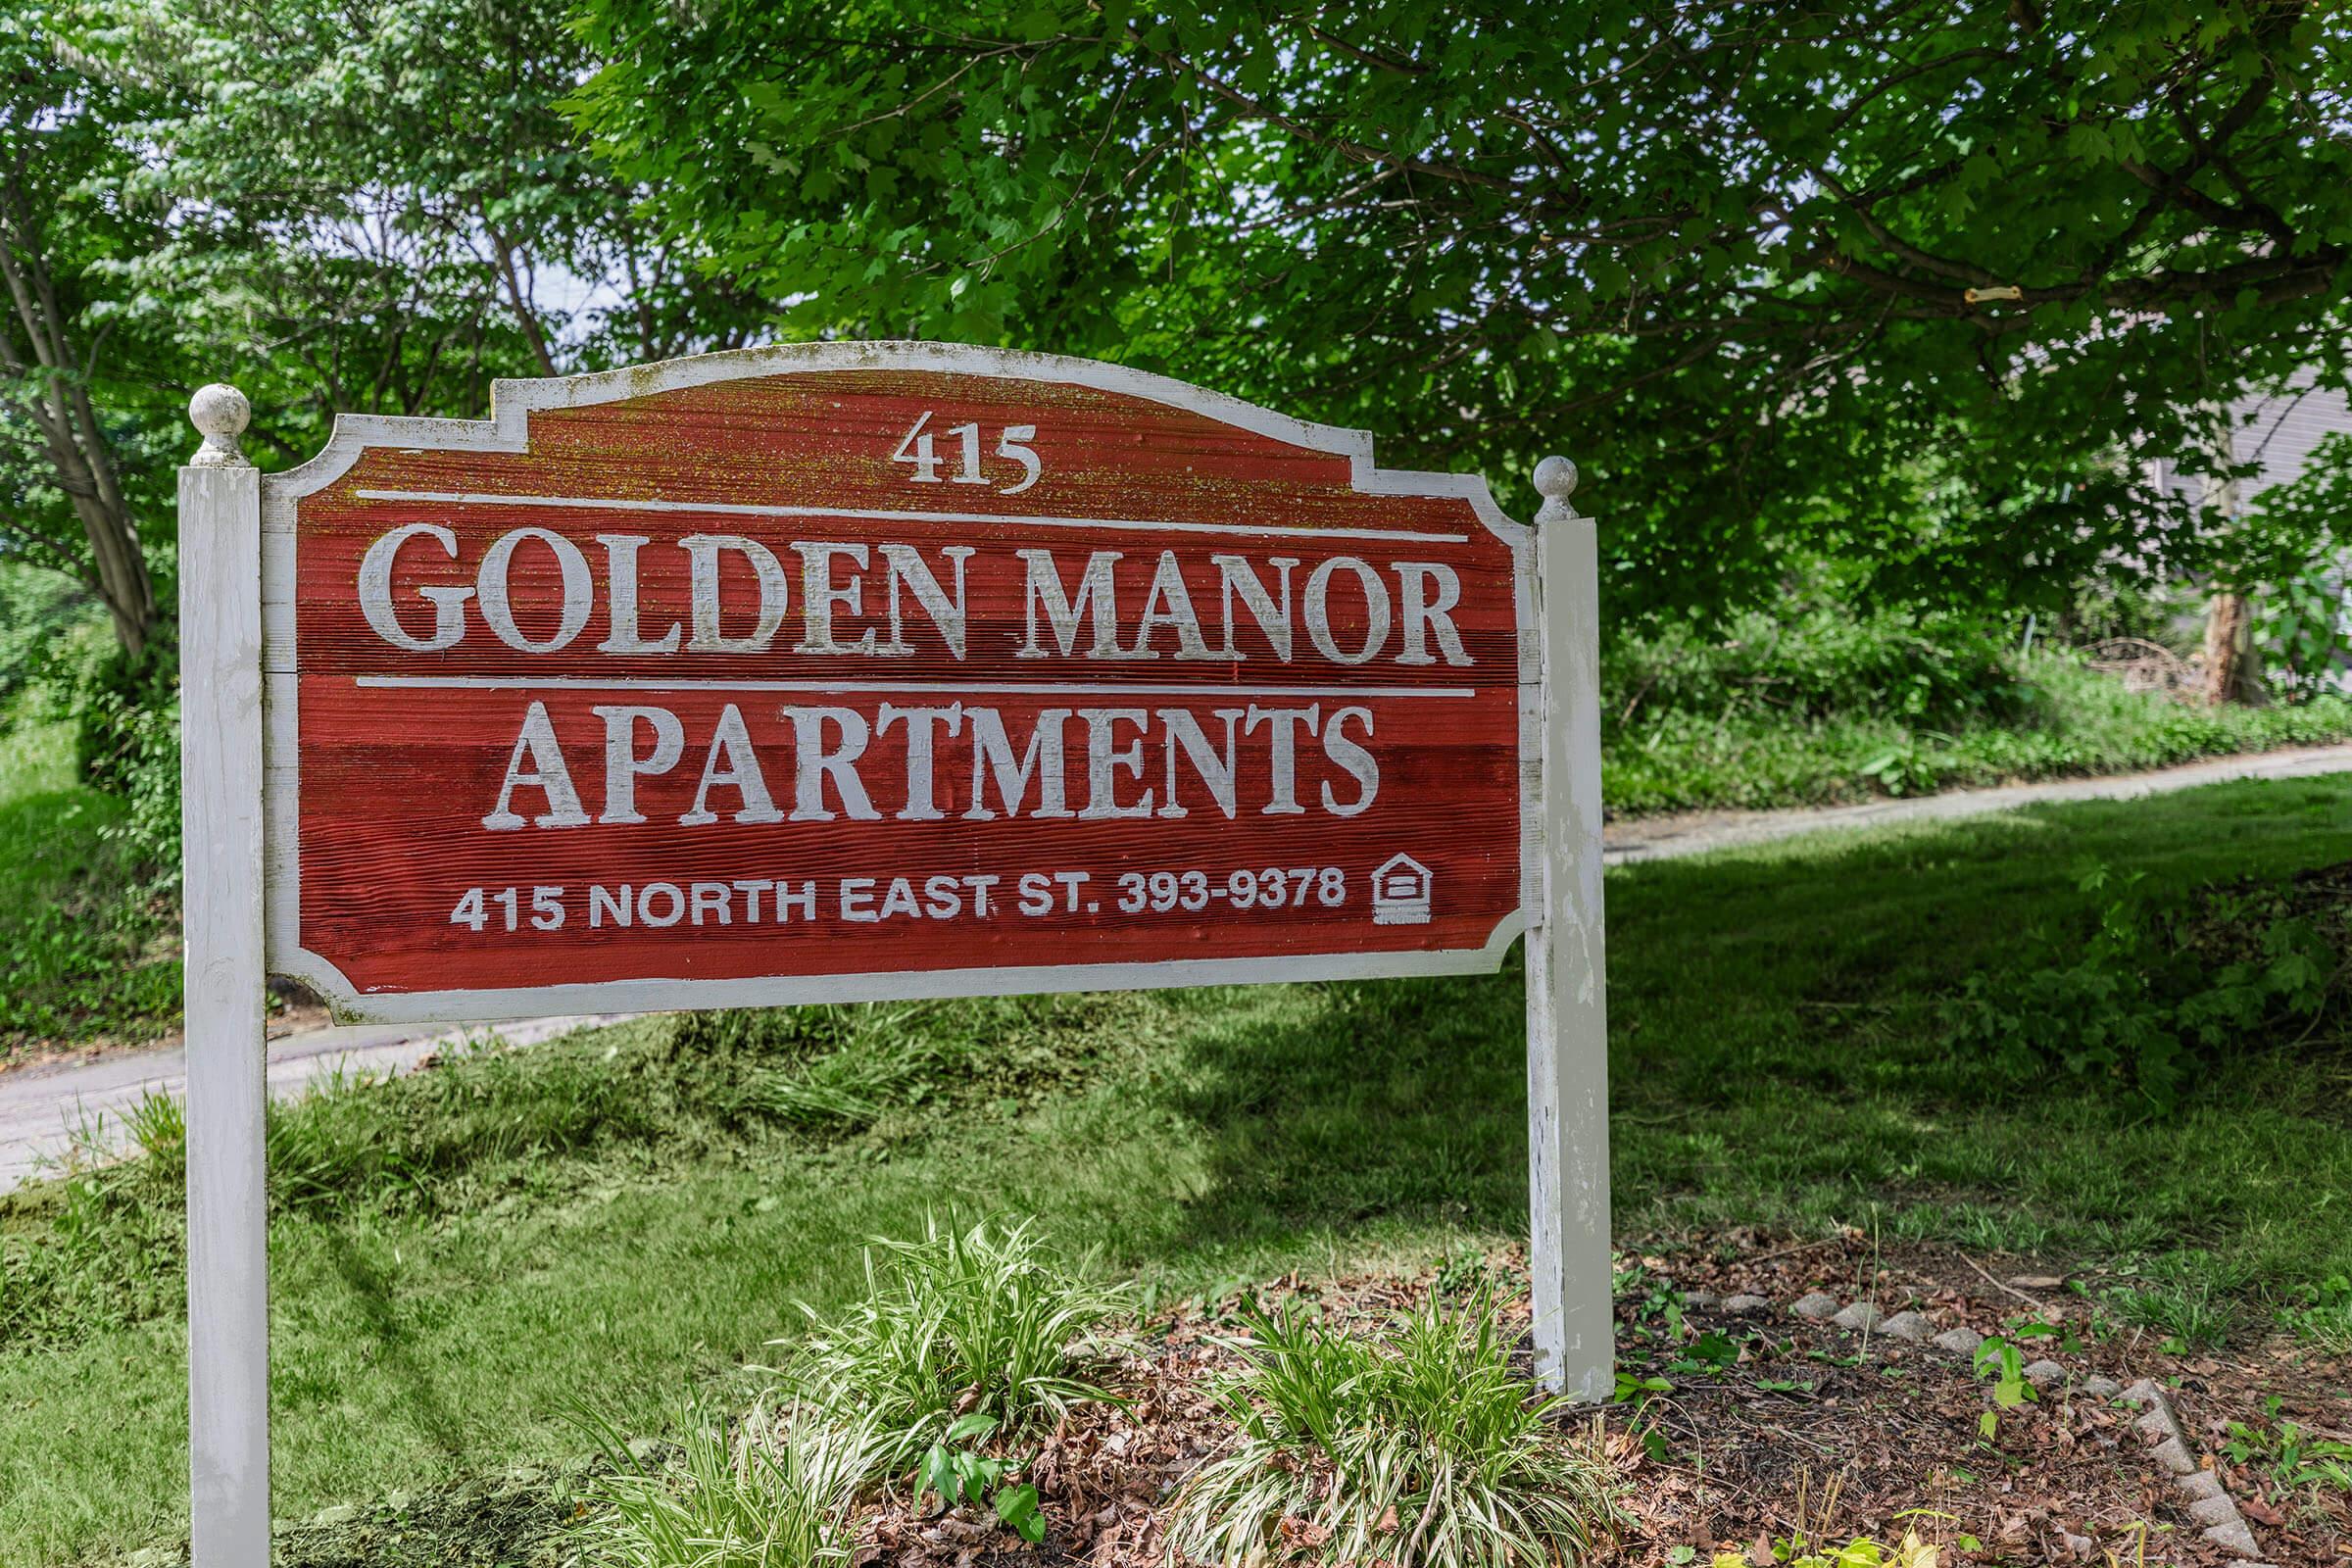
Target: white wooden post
column 1567, row 1020
column 220, row 823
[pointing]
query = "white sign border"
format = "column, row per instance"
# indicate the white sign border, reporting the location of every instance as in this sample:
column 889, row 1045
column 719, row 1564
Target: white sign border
column 508, row 430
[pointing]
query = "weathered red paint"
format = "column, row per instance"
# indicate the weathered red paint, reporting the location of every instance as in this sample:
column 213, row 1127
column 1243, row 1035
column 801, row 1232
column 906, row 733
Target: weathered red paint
column 394, row 782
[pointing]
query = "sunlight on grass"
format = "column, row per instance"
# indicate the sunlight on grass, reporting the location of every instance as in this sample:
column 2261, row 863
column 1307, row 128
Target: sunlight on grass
column 36, row 760
column 83, row 955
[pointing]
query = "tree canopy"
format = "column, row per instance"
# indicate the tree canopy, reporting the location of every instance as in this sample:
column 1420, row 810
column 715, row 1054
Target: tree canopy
column 1906, row 287
column 1901, row 281
column 340, row 207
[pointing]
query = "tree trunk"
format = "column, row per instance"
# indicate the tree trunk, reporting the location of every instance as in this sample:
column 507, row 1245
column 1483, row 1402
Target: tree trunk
column 2229, row 620
column 41, row 357
column 2228, row 649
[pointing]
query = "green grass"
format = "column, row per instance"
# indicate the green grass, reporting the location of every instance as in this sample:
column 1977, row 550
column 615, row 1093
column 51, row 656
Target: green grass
column 84, row 957
column 2061, row 720
column 461, row 1256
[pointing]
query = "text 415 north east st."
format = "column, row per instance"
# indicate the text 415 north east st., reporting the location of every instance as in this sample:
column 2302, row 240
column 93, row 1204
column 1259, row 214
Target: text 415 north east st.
column 785, row 900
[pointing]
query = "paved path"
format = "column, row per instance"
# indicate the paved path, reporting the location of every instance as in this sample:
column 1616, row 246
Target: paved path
column 41, row 1109
column 1660, row 838
column 44, row 1112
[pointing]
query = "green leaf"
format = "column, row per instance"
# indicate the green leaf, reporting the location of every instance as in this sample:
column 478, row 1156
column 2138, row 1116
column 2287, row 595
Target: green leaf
column 977, row 1425
column 1017, row 1507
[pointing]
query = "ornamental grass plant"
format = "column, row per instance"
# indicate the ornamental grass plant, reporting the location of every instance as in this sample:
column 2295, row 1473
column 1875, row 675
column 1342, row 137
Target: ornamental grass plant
column 987, row 1321
column 766, row 1491
column 1417, row 1446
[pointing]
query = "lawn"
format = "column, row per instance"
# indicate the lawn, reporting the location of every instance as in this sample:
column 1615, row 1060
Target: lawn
column 464, row 1256
column 84, row 955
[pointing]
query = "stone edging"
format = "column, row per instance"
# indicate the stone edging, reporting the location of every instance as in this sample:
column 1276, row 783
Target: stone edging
column 2206, row 1498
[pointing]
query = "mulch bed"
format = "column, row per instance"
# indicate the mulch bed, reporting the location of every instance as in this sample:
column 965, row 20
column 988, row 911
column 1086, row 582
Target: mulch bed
column 2067, row 1479
column 1803, row 1433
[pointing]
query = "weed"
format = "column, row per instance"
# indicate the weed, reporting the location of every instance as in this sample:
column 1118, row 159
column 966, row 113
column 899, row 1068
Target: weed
column 2322, row 1316
column 2062, row 1332
column 983, row 1321
column 1862, row 1551
column 1417, row 1446
column 158, row 1126
column 972, row 1478
column 849, row 1086
column 1464, row 1271
column 2289, row 1454
column 2191, row 1314
column 1811, row 1545
column 2142, row 1001
column 2005, row 1366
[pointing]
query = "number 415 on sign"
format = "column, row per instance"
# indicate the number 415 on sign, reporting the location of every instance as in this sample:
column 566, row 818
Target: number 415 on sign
column 918, row 449
column 474, row 910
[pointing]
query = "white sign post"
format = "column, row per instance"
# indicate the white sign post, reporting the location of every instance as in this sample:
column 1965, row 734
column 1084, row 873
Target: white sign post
column 220, row 820
column 1567, row 1017
column 1452, row 702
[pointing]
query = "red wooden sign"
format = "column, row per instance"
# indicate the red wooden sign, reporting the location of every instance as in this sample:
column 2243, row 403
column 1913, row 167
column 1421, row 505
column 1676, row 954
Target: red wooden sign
column 871, row 671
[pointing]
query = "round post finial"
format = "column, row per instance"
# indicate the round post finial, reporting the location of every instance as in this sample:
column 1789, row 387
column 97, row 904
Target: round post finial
column 1555, row 481
column 220, row 414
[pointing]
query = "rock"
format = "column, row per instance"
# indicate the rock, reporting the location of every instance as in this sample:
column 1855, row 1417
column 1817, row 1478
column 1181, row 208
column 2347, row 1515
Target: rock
column 2217, row 1510
column 2037, row 1282
column 2201, row 1485
column 2173, row 1454
column 2158, row 1423
column 1815, row 1305
column 1862, row 1317
column 1744, row 1305
column 2144, row 1392
column 1911, row 1326
column 1960, row 1342
column 1703, row 1301
column 2234, row 1537
column 342, row 1514
column 2045, row 1373
column 2100, row 1387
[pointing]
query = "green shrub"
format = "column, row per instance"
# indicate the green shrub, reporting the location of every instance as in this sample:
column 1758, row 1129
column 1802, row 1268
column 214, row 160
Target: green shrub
column 981, row 1322
column 1828, row 658
column 1827, row 701
column 2156, row 991
column 1418, row 1446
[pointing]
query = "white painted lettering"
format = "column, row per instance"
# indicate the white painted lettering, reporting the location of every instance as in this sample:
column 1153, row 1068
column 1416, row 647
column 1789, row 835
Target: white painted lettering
column 536, row 746
column 623, row 764
column 813, row 763
column 376, row 592
column 498, row 609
